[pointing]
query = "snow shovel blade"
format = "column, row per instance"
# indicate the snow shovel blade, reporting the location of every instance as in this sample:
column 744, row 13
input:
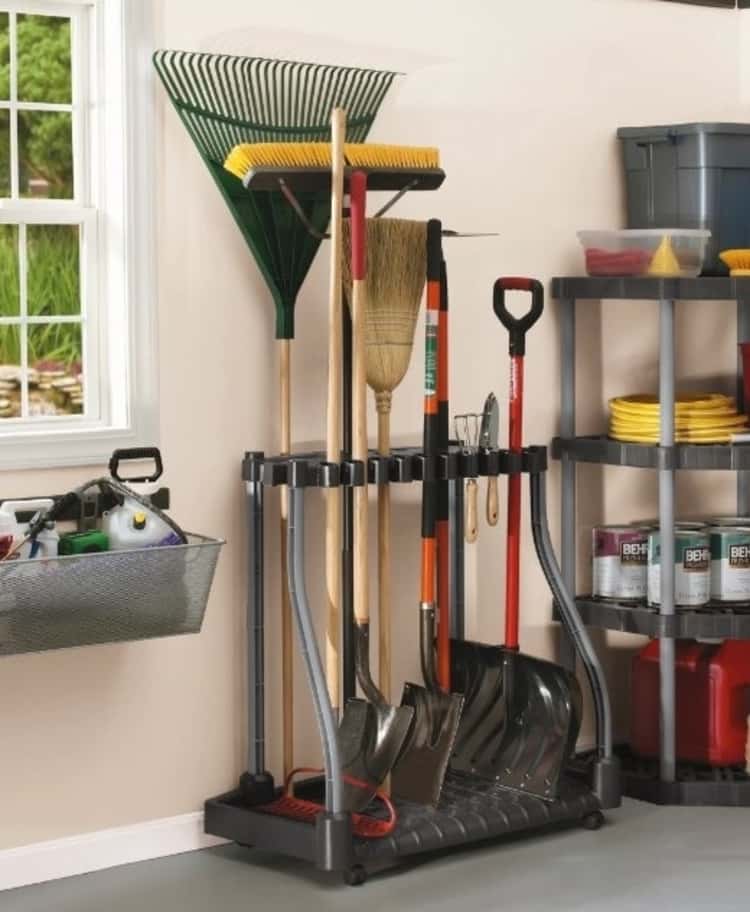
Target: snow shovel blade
column 371, row 736
column 419, row 773
column 521, row 718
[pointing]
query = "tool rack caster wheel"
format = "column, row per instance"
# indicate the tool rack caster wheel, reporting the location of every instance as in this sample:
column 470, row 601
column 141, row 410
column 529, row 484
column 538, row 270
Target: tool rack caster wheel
column 593, row 821
column 355, row 876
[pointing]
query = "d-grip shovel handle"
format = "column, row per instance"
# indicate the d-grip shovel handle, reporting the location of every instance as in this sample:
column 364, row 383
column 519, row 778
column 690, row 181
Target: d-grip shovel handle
column 518, row 326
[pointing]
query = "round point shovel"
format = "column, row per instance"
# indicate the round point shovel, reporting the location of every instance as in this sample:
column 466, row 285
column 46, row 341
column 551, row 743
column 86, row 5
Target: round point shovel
column 420, row 771
column 372, row 732
column 521, row 714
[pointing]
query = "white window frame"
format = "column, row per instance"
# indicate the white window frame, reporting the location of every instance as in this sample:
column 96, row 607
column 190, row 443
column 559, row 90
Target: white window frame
column 114, row 205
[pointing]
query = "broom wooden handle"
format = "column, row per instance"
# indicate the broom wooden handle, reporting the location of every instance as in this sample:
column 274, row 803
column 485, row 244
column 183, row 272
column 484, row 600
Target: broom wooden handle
column 287, row 646
column 384, row 553
column 333, row 418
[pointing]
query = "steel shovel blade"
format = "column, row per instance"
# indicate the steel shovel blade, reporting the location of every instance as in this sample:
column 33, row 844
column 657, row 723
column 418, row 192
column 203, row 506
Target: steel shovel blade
column 420, row 770
column 370, row 739
column 520, row 721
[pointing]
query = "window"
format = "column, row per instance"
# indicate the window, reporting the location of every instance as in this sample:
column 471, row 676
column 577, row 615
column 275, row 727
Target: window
column 77, row 346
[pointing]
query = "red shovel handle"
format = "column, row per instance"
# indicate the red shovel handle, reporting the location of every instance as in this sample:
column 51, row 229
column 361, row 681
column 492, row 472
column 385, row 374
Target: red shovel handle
column 517, row 328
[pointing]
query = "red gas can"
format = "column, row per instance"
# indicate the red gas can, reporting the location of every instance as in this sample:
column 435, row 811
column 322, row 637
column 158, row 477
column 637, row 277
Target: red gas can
column 713, row 701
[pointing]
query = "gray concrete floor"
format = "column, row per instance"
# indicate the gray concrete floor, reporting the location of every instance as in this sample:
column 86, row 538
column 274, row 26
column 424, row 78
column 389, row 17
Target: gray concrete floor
column 645, row 858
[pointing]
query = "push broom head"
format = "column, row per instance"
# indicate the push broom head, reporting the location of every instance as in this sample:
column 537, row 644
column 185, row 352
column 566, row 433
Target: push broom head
column 396, row 269
column 244, row 158
column 737, row 261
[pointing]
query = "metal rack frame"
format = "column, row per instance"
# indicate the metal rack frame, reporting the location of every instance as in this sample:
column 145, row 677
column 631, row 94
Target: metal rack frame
column 686, row 785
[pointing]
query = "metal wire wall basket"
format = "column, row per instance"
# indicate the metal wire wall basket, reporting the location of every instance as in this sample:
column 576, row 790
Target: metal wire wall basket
column 106, row 597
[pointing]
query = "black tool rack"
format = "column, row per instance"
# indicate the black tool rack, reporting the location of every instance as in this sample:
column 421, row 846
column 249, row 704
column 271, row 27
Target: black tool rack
column 666, row 780
column 470, row 810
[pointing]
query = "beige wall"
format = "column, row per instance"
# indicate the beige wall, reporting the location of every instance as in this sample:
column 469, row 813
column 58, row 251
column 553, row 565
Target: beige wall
column 523, row 100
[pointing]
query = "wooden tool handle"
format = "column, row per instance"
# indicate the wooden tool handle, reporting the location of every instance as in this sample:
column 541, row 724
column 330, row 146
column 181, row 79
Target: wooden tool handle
column 358, row 193
column 472, row 524
column 333, row 417
column 492, row 500
column 287, row 635
column 384, row 555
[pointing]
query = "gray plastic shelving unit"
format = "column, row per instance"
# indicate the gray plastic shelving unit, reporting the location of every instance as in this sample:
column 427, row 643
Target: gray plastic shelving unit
column 670, row 783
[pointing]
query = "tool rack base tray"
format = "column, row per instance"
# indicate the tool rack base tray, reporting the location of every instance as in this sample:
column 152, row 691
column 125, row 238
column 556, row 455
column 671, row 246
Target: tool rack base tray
column 470, row 811
column 695, row 786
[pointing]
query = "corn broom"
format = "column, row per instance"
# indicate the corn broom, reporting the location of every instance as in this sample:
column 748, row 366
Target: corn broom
column 395, row 282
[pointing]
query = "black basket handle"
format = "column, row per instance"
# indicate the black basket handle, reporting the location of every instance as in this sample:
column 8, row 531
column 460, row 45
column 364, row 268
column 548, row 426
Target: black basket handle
column 139, row 453
column 518, row 326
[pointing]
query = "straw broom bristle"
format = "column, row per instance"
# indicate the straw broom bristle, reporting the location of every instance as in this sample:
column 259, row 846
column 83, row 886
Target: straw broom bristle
column 396, row 267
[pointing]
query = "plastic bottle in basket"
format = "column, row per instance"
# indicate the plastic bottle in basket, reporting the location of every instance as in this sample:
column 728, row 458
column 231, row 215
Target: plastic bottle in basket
column 46, row 542
column 132, row 525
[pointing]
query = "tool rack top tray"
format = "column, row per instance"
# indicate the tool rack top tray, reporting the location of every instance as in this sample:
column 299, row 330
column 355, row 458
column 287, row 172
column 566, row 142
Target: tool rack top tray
column 404, row 465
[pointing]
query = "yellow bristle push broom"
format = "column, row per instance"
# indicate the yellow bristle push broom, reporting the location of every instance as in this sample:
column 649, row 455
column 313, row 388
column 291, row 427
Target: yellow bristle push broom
column 395, row 282
column 245, row 158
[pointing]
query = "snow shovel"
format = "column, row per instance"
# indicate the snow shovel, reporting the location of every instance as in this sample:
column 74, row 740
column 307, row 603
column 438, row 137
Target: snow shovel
column 419, row 773
column 372, row 732
column 522, row 715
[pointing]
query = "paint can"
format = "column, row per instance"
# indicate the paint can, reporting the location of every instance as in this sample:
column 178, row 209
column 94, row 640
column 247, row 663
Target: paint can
column 730, row 564
column 692, row 570
column 619, row 562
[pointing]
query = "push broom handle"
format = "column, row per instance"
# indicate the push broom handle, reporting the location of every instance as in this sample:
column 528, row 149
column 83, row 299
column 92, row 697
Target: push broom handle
column 517, row 328
column 333, row 418
column 358, row 196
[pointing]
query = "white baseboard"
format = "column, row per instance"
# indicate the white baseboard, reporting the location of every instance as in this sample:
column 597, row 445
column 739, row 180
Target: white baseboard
column 43, row 861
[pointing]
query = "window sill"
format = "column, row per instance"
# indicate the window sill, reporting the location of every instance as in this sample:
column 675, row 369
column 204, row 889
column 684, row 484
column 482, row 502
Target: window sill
column 58, row 449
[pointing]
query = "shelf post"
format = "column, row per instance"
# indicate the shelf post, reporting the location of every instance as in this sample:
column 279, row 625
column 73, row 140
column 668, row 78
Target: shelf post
column 567, row 653
column 667, row 766
column 743, row 335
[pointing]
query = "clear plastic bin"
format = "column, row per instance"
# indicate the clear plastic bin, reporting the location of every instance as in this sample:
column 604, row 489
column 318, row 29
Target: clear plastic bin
column 655, row 252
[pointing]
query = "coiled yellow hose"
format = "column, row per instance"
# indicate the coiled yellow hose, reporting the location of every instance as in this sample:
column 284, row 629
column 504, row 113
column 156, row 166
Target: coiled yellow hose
column 699, row 418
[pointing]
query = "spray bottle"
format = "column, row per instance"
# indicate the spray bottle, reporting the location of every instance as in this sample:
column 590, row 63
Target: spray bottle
column 131, row 524
column 45, row 543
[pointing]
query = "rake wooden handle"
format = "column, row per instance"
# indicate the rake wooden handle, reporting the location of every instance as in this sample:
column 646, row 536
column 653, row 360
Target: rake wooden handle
column 472, row 523
column 287, row 644
column 493, row 510
column 333, row 417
